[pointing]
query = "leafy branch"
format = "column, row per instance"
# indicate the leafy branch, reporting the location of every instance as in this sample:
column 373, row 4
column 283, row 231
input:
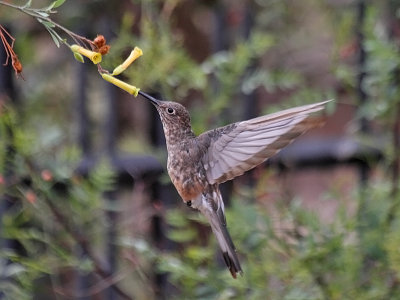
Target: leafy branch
column 42, row 15
column 83, row 242
column 83, row 46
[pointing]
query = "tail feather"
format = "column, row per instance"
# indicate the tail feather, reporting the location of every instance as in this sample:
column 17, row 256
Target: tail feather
column 211, row 206
column 230, row 265
column 227, row 247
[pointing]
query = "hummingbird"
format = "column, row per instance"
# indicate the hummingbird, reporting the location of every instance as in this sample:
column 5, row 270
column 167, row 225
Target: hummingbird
column 198, row 164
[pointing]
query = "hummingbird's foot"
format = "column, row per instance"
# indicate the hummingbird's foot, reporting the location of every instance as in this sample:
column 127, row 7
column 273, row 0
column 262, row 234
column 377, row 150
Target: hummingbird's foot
column 189, row 203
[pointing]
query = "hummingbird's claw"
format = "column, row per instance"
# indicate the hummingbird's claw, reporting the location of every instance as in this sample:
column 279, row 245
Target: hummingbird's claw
column 189, row 203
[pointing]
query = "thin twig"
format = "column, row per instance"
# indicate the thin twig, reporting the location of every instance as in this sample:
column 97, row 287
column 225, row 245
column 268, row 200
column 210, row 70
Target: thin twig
column 95, row 289
column 7, row 46
column 34, row 13
column 83, row 243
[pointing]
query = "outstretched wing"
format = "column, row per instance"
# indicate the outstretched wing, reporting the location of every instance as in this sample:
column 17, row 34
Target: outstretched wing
column 239, row 147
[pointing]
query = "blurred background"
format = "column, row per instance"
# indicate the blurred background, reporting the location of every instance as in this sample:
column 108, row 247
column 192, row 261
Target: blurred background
column 87, row 210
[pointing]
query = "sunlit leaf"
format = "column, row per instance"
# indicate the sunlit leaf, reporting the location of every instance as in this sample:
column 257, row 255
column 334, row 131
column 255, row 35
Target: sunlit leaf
column 43, row 14
column 50, row 7
column 54, row 36
column 13, row 270
column 176, row 218
column 58, row 3
column 46, row 23
column 27, row 4
column 199, row 253
column 79, row 57
column 182, row 235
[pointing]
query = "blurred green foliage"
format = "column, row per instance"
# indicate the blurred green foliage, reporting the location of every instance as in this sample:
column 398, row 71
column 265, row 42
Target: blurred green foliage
column 34, row 191
column 356, row 256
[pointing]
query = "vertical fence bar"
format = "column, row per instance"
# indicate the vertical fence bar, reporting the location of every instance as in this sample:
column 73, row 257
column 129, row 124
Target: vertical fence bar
column 84, row 140
column 364, row 168
column 393, row 27
column 111, row 133
column 82, row 281
column 111, row 196
column 7, row 93
column 159, row 197
column 362, row 58
column 250, row 100
column 220, row 37
column 362, row 99
column 220, row 42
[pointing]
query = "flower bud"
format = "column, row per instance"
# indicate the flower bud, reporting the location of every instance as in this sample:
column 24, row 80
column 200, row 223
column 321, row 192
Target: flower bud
column 99, row 41
column 46, row 175
column 103, row 50
column 95, row 57
column 121, row 84
column 30, row 196
column 79, row 57
column 137, row 52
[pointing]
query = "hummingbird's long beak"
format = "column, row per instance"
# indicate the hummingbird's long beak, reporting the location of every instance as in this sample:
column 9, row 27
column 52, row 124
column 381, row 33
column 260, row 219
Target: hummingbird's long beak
column 152, row 99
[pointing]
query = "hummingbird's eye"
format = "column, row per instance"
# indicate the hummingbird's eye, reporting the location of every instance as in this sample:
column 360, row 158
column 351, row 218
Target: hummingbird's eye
column 170, row 110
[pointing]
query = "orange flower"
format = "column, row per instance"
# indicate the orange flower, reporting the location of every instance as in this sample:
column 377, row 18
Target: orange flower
column 47, row 175
column 30, row 196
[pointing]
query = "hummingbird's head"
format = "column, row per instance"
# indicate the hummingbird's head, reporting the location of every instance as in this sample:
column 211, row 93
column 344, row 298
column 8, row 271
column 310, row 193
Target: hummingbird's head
column 174, row 116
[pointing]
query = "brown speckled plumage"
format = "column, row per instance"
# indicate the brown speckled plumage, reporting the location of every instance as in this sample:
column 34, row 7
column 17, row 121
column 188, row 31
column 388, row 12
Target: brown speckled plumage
column 198, row 164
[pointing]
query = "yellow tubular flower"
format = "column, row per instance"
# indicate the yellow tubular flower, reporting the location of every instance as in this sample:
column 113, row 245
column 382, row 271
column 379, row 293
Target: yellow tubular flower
column 137, row 52
column 121, row 84
column 95, row 57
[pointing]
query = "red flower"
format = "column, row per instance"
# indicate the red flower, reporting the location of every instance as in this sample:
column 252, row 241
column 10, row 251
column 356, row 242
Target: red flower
column 47, row 175
column 30, row 196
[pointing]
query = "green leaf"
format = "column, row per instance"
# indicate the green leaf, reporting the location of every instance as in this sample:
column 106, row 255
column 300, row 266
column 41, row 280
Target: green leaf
column 13, row 270
column 50, row 7
column 54, row 35
column 27, row 4
column 182, row 235
column 54, row 4
column 46, row 23
column 176, row 218
column 58, row 3
column 79, row 57
column 43, row 14
column 199, row 254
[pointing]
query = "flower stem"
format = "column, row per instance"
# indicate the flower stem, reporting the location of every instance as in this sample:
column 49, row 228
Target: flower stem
column 39, row 14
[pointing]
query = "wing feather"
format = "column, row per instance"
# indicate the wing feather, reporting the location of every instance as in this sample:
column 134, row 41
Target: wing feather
column 239, row 147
